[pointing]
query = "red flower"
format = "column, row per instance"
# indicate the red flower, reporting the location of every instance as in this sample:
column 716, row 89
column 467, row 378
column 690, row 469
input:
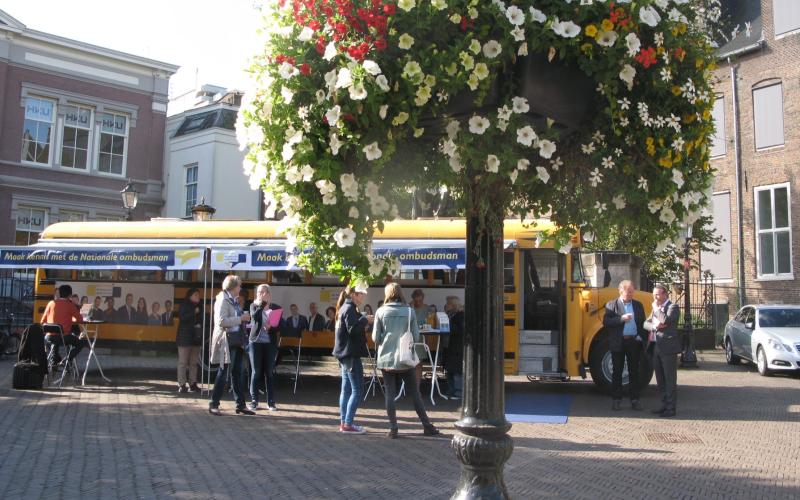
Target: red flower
column 647, row 57
column 380, row 44
column 315, row 25
column 305, row 69
column 390, row 9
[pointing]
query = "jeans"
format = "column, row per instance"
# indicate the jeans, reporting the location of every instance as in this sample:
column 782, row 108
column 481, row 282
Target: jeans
column 352, row 382
column 74, row 345
column 187, row 361
column 238, row 381
column 632, row 350
column 262, row 362
column 390, row 389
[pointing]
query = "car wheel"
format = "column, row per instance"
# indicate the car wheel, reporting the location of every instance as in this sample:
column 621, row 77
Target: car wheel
column 761, row 362
column 730, row 357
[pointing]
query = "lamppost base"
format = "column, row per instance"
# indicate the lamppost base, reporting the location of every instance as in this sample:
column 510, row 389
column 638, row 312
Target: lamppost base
column 482, row 459
column 688, row 361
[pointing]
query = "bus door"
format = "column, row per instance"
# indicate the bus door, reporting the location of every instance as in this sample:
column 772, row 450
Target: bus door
column 543, row 311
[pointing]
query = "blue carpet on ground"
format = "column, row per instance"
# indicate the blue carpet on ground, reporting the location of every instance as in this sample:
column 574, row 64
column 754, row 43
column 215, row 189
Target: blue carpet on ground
column 527, row 407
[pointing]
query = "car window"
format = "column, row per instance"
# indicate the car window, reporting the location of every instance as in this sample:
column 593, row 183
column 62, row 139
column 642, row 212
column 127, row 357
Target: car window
column 750, row 315
column 740, row 315
column 779, row 318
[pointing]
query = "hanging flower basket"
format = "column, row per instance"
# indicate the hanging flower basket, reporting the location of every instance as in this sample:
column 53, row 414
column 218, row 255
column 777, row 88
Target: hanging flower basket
column 596, row 113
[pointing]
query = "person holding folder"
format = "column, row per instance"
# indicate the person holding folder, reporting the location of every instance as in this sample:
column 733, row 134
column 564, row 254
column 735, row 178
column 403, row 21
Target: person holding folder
column 264, row 331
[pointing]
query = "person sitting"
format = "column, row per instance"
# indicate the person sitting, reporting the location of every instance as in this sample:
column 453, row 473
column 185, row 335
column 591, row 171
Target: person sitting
column 62, row 311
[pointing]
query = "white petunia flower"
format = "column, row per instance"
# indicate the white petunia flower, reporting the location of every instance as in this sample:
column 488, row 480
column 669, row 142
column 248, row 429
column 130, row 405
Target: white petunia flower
column 518, row 34
column 627, row 75
column 492, row 49
column 633, row 43
column 654, row 206
column 449, row 147
column 502, row 125
column 406, row 5
column 400, row 119
column 478, row 124
column 330, row 51
column 526, row 135
column 607, row 38
column 515, row 15
column 537, row 15
column 474, row 47
column 382, row 111
column 520, row 105
column 353, row 213
column 411, row 70
column 286, row 70
column 542, row 174
column 333, row 115
column 382, row 83
column 523, row 49
column 305, row 34
column 371, row 67
column 287, row 152
column 307, row 173
column 649, row 16
column 455, row 163
column 335, row 144
column 325, row 186
column 358, row 92
column 372, row 151
column 504, row 113
column 513, row 176
column 439, row 4
column 405, row 41
column 566, row 29
column 667, row 215
column 349, row 186
column 492, row 163
column 346, row 237
column 287, row 95
column 452, row 128
column 546, row 148
column 619, row 202
column 292, row 175
column 677, row 178
column 344, row 78
column 523, row 164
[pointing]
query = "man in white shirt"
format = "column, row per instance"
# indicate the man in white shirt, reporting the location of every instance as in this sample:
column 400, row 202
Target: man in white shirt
column 316, row 321
column 297, row 323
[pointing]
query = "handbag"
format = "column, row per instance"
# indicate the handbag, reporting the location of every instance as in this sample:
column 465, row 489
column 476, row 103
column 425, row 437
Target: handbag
column 406, row 356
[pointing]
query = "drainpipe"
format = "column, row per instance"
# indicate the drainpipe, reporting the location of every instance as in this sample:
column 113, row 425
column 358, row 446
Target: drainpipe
column 737, row 150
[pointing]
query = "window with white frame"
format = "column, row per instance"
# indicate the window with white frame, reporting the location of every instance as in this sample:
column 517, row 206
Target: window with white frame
column 718, row 144
column 786, row 14
column 75, row 138
column 191, row 188
column 773, row 231
column 768, row 116
column 113, row 143
column 71, row 216
column 107, row 218
column 30, row 222
column 37, row 131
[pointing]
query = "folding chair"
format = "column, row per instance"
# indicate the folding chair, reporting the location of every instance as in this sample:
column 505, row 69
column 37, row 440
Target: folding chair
column 51, row 330
column 299, row 338
column 402, row 390
column 373, row 381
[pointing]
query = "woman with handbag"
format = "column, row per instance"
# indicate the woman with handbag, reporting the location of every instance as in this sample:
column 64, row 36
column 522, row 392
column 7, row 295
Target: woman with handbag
column 394, row 333
column 263, row 348
column 349, row 347
column 189, row 339
column 227, row 345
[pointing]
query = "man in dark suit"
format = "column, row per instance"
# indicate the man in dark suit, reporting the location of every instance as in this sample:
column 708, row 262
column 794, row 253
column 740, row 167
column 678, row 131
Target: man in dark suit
column 664, row 345
column 624, row 322
column 126, row 313
column 316, row 321
column 166, row 317
column 296, row 324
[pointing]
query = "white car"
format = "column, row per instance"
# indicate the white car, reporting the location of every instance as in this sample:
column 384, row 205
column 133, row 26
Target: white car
column 769, row 336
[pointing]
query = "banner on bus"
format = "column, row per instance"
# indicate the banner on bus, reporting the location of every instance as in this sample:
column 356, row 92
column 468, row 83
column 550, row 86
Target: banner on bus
column 102, row 258
column 277, row 259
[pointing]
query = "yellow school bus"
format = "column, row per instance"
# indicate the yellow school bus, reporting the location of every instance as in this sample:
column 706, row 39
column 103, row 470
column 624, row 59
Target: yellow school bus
column 553, row 319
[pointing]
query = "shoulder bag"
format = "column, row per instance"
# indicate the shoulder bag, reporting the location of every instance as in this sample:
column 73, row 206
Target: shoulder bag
column 405, row 356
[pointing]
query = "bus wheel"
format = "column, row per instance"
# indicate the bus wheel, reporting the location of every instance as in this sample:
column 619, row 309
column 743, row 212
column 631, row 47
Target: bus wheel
column 600, row 363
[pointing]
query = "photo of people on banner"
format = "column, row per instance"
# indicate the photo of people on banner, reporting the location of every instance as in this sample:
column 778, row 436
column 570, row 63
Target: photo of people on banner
column 125, row 303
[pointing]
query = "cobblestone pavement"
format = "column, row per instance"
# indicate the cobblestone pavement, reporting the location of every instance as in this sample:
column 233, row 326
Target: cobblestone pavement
column 737, row 435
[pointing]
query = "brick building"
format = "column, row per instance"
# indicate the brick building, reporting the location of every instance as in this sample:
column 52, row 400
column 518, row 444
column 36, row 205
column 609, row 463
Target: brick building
column 756, row 152
column 76, row 121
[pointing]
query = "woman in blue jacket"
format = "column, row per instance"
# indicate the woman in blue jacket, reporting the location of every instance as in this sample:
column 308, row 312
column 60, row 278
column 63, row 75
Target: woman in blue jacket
column 392, row 321
column 349, row 347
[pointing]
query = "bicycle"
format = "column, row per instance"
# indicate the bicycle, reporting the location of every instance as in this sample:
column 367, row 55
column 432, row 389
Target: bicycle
column 9, row 337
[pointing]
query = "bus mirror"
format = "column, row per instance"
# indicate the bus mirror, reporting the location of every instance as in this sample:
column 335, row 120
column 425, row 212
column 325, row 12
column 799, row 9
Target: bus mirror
column 606, row 277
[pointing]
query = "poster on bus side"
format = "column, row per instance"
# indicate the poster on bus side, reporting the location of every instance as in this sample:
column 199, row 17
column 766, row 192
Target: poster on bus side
column 125, row 302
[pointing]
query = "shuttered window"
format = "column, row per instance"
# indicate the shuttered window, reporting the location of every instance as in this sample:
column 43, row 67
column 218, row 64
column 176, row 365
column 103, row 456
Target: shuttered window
column 768, row 116
column 787, row 16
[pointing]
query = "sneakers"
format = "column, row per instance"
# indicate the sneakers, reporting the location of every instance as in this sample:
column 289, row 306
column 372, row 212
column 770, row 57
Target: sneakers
column 182, row 389
column 253, row 406
column 351, row 429
column 431, row 431
column 272, row 407
column 194, row 388
column 244, row 411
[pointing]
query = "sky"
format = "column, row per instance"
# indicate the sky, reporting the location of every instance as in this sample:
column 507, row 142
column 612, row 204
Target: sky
column 210, row 40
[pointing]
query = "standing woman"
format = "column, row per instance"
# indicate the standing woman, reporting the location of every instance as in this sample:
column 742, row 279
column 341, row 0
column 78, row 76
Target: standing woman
column 227, row 345
column 391, row 321
column 189, row 339
column 263, row 344
column 350, row 346
column 140, row 315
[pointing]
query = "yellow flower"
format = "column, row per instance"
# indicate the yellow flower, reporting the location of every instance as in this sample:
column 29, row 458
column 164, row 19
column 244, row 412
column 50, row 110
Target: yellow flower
column 607, row 25
column 665, row 162
column 651, row 147
column 712, row 65
column 698, row 63
column 688, row 119
column 676, row 90
column 591, row 30
column 677, row 158
column 706, row 114
column 660, row 51
column 586, row 47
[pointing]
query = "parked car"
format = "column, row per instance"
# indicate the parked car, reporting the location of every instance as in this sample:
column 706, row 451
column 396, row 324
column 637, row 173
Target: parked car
column 768, row 336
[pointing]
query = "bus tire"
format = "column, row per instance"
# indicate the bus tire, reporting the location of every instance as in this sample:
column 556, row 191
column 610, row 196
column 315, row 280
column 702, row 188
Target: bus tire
column 600, row 365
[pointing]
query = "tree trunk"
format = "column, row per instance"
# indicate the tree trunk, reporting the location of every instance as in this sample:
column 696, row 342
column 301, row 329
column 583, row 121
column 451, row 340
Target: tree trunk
column 482, row 444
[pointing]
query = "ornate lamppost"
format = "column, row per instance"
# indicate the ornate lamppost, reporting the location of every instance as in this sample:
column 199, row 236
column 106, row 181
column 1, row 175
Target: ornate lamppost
column 202, row 212
column 130, row 198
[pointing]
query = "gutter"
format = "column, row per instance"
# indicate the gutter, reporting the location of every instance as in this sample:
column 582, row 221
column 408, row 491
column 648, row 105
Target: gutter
column 743, row 50
column 739, row 196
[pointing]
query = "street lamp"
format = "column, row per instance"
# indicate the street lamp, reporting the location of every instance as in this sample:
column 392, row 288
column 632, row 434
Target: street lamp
column 130, row 198
column 688, row 356
column 202, row 212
